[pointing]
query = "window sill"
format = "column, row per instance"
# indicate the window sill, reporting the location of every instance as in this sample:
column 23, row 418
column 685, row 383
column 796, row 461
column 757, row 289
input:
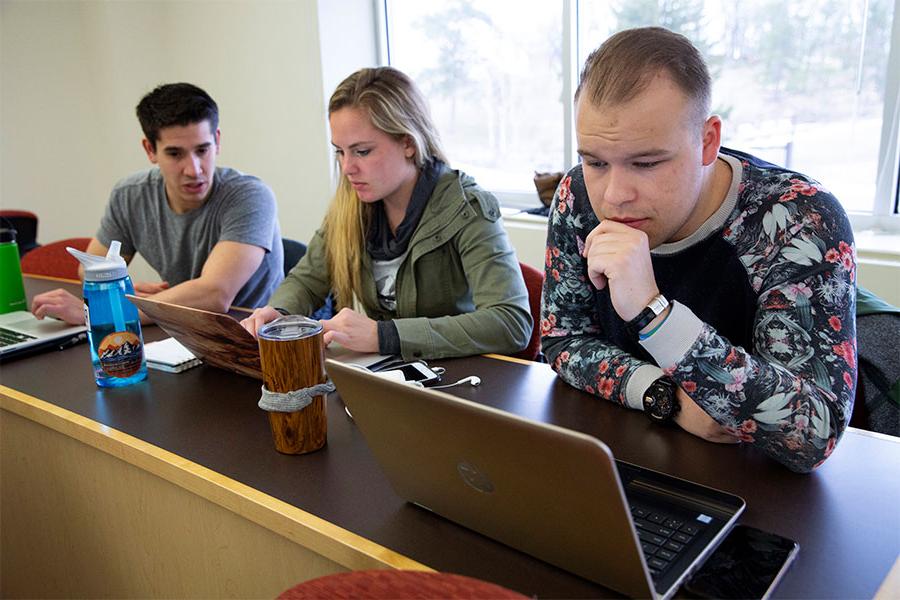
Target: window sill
column 870, row 243
column 515, row 215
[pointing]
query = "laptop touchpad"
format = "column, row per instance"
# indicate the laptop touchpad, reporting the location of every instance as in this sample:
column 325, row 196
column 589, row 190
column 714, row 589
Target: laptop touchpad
column 32, row 326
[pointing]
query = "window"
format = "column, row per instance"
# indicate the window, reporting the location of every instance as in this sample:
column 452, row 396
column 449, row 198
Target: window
column 492, row 81
column 801, row 83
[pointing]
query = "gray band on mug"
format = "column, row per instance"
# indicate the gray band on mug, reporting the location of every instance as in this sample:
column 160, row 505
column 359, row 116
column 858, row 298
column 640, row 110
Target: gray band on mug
column 294, row 400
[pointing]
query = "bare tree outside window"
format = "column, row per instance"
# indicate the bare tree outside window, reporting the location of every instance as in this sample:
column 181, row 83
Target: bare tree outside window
column 796, row 82
column 800, row 83
column 492, row 73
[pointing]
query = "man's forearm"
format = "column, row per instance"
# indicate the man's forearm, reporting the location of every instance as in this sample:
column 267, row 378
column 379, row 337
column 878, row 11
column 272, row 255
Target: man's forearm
column 589, row 363
column 786, row 413
column 198, row 293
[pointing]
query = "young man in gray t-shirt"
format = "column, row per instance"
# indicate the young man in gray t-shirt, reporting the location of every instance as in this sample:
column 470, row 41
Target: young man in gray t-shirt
column 210, row 232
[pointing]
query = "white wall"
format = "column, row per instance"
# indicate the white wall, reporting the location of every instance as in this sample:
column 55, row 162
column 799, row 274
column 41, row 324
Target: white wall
column 347, row 40
column 347, row 43
column 71, row 73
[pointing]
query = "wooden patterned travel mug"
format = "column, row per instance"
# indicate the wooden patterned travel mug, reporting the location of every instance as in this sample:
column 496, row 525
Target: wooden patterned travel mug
column 292, row 357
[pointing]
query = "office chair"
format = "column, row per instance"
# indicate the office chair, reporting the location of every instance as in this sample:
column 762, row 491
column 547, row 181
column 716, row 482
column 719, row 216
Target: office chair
column 877, row 403
column 383, row 584
column 52, row 260
column 25, row 223
column 534, row 282
column 293, row 252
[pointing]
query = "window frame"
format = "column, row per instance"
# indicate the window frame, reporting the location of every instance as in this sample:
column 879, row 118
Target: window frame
column 885, row 215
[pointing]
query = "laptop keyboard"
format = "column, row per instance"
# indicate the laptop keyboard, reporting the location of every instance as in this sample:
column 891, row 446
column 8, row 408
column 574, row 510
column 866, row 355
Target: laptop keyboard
column 9, row 337
column 664, row 536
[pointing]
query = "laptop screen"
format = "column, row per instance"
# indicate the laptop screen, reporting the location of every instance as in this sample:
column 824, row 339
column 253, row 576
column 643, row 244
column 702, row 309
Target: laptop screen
column 551, row 492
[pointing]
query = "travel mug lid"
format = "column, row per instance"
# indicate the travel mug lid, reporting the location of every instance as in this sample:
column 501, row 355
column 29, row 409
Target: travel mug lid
column 7, row 235
column 291, row 327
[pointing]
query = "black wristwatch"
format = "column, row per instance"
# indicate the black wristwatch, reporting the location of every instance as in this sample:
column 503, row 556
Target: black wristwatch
column 655, row 308
column 660, row 402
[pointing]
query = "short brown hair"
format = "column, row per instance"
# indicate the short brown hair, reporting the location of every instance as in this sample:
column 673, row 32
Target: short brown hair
column 622, row 67
column 175, row 104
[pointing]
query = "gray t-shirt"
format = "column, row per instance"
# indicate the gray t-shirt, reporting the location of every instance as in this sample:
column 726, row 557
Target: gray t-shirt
column 240, row 208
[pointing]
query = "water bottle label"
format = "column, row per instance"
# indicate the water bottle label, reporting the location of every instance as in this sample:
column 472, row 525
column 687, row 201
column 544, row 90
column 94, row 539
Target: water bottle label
column 121, row 354
column 87, row 315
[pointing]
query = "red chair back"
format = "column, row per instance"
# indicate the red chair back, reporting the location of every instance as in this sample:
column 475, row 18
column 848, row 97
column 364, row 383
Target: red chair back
column 52, row 260
column 534, row 282
column 391, row 584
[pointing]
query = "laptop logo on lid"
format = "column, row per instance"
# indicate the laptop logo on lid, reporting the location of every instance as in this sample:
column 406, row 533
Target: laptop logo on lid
column 475, row 478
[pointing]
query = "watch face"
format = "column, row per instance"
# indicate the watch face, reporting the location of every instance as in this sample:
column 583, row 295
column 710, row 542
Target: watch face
column 659, row 401
column 664, row 406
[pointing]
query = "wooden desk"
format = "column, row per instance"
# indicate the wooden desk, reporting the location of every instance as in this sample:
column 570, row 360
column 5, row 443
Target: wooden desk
column 173, row 488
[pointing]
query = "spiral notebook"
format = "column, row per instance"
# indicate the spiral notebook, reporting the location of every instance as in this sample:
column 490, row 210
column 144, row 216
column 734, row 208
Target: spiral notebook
column 169, row 355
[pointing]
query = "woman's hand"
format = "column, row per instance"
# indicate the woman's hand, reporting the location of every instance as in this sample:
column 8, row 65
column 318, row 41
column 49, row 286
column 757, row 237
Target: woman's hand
column 352, row 330
column 258, row 318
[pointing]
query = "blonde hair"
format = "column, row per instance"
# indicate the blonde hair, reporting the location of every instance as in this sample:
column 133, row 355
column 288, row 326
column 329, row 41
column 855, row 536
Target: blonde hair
column 395, row 106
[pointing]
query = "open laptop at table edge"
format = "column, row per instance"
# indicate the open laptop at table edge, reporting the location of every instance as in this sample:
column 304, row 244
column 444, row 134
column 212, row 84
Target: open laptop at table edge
column 36, row 335
column 523, row 483
column 220, row 340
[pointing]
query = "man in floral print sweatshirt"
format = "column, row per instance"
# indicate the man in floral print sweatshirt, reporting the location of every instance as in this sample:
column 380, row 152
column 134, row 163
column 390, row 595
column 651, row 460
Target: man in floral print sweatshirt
column 699, row 284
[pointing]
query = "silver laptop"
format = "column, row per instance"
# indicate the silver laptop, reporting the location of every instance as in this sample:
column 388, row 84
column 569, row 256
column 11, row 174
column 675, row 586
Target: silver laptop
column 554, row 493
column 21, row 334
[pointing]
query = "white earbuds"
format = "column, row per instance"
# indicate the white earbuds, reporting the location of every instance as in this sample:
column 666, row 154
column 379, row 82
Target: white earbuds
column 472, row 380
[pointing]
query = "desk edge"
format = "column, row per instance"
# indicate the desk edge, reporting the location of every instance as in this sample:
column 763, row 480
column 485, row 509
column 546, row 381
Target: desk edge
column 51, row 278
column 511, row 359
column 306, row 529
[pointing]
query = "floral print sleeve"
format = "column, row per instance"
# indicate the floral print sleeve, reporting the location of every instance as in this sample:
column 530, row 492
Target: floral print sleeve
column 788, row 387
column 792, row 395
column 571, row 334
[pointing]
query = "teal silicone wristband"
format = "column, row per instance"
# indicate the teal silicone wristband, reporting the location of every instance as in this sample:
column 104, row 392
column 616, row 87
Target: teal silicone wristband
column 644, row 336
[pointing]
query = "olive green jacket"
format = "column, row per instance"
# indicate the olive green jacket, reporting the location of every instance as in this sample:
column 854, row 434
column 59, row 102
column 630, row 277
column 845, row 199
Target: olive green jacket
column 459, row 290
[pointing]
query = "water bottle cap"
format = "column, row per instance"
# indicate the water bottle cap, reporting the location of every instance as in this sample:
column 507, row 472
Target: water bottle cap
column 7, row 235
column 102, row 268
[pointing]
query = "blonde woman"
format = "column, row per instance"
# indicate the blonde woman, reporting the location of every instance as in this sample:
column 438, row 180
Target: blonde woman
column 415, row 246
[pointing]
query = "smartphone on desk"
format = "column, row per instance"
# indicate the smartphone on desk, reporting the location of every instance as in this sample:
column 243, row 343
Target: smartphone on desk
column 749, row 563
column 416, row 371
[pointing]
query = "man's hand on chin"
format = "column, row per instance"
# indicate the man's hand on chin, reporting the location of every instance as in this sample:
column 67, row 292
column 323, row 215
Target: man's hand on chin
column 618, row 256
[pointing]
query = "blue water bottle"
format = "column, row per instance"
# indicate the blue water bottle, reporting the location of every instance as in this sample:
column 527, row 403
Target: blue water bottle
column 114, row 326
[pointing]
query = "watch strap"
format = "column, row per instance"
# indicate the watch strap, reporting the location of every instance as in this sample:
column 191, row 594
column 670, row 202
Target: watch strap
column 654, row 308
